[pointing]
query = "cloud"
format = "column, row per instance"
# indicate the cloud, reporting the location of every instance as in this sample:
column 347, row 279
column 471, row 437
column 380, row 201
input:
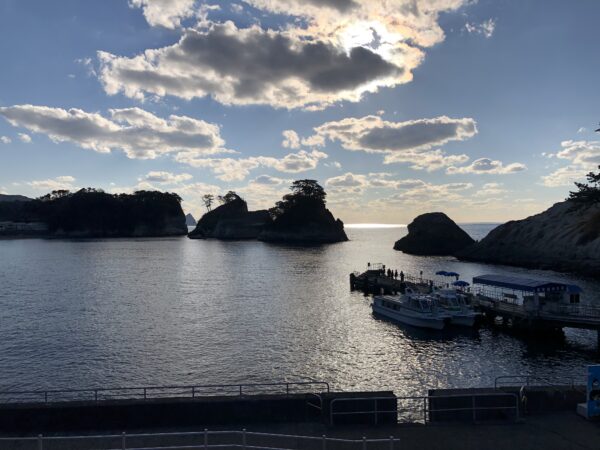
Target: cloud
column 167, row 177
column 22, row 136
column 485, row 28
column 241, row 66
column 583, row 156
column 64, row 182
column 324, row 52
column 487, row 166
column 291, row 139
column 401, row 142
column 5, row 139
column 138, row 133
column 165, row 13
column 334, row 164
column 230, row 169
column 268, row 180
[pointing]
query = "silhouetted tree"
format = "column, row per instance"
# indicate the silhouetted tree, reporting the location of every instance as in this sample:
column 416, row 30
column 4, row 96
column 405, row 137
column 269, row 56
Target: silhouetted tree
column 229, row 197
column 306, row 194
column 208, row 200
column 587, row 192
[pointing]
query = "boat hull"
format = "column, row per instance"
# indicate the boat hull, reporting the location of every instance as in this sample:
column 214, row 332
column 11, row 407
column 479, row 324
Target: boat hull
column 434, row 323
column 464, row 320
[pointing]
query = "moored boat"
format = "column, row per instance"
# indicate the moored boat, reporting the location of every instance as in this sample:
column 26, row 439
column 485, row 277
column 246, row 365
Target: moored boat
column 411, row 309
column 455, row 304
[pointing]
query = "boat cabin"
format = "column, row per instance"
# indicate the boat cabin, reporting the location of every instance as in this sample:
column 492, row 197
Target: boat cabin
column 530, row 293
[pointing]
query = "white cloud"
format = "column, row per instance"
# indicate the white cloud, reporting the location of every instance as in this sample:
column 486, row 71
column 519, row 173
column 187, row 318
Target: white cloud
column 139, row 133
column 167, row 177
column 329, row 51
column 165, row 13
column 334, row 164
column 230, row 169
column 64, row 182
column 583, row 156
column 402, row 142
column 5, row 139
column 487, row 166
column 291, row 139
column 22, row 136
column 485, row 28
column 582, row 130
column 268, row 180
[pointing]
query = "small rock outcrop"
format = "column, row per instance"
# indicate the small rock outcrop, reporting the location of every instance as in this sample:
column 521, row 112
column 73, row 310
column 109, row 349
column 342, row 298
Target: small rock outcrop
column 189, row 220
column 565, row 237
column 231, row 220
column 434, row 234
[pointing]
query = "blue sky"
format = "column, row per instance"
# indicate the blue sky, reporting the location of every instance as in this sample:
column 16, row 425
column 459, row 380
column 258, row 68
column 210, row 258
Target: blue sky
column 484, row 110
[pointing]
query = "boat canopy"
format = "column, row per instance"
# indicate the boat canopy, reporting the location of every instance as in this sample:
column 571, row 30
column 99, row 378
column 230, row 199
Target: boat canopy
column 523, row 284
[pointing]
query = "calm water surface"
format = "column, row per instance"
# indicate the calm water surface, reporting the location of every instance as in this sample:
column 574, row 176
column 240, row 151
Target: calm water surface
column 126, row 312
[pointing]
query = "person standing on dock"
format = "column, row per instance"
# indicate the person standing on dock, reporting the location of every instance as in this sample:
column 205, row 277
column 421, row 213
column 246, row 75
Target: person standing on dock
column 401, row 277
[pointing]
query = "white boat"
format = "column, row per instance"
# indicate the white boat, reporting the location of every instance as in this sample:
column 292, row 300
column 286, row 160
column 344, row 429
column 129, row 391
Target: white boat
column 454, row 304
column 411, row 309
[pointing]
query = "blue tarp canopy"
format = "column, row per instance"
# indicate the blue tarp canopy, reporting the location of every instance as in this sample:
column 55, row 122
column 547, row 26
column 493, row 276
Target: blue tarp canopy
column 460, row 283
column 521, row 284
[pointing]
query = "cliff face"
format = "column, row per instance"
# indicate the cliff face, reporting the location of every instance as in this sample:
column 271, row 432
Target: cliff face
column 433, row 234
column 565, row 237
column 307, row 224
column 231, row 220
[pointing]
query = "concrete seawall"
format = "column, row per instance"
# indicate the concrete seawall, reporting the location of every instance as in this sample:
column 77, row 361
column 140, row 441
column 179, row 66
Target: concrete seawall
column 183, row 412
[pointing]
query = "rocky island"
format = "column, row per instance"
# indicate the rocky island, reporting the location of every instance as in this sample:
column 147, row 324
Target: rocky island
column 299, row 218
column 94, row 213
column 231, row 220
column 433, row 234
column 302, row 218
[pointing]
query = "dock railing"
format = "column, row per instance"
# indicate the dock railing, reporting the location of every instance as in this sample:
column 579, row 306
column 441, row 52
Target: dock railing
column 201, row 440
column 426, row 409
column 158, row 392
column 535, row 380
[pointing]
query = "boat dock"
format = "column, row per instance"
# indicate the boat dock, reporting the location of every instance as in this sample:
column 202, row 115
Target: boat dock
column 526, row 304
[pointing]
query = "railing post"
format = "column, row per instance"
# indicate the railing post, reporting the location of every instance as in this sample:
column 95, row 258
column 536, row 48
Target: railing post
column 205, row 439
column 45, row 396
column 287, row 388
column 324, row 442
column 375, row 409
column 244, row 438
column 96, row 395
column 424, row 410
column 193, row 391
column 391, row 442
column 240, row 389
column 145, row 394
column 40, row 440
column 473, row 408
column 123, row 441
column 364, row 443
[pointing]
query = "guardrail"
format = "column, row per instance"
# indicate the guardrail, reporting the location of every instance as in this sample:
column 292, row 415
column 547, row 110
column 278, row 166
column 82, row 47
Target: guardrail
column 529, row 380
column 155, row 392
column 420, row 408
column 197, row 440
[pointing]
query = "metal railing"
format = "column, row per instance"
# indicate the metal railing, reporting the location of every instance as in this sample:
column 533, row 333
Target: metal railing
column 534, row 380
column 196, row 440
column 156, row 392
column 420, row 409
column 577, row 310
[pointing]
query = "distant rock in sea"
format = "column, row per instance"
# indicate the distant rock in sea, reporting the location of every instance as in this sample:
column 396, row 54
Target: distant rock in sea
column 189, row 220
column 231, row 220
column 565, row 237
column 433, row 234
column 13, row 198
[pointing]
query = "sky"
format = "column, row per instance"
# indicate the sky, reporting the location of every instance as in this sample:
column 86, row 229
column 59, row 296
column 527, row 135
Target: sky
column 484, row 110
